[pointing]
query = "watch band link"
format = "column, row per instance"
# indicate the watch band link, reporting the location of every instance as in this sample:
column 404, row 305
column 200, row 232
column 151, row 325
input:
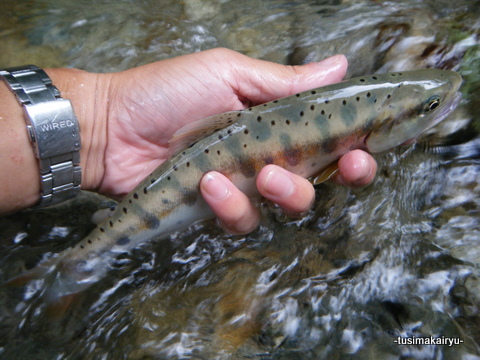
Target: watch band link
column 53, row 129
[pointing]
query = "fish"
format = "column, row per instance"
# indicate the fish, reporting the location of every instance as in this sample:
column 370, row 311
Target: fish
column 303, row 133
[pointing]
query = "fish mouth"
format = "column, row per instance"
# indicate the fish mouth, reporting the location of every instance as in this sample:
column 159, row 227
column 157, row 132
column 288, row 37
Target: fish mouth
column 446, row 110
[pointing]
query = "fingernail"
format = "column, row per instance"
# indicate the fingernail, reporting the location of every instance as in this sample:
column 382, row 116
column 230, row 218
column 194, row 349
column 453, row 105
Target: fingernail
column 279, row 184
column 215, row 186
column 362, row 168
column 363, row 165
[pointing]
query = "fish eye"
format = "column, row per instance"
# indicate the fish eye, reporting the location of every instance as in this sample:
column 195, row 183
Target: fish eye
column 432, row 103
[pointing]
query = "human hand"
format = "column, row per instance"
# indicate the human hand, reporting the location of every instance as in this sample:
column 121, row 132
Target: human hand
column 146, row 105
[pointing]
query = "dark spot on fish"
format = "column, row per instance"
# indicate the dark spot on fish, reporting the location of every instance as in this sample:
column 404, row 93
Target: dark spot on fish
column 259, row 118
column 145, row 190
column 301, row 113
column 218, row 152
column 297, row 95
column 344, row 102
column 273, row 122
column 275, row 101
column 329, row 116
column 246, row 131
column 306, row 123
column 362, row 80
column 229, row 121
column 190, row 198
column 293, row 156
column 184, row 153
column 249, row 109
column 322, row 112
column 152, row 181
column 327, row 101
column 402, row 74
column 357, row 98
column 151, row 221
column 102, row 229
column 81, row 246
column 287, row 122
column 368, row 94
column 206, row 151
column 257, row 137
column 123, row 240
column 264, row 104
column 135, row 195
column 244, row 146
column 313, row 92
column 119, row 220
column 187, row 164
column 175, row 168
column 169, row 178
column 239, row 114
column 247, row 167
column 125, row 210
column 110, row 223
column 229, row 132
column 89, row 241
column 165, row 201
column 392, row 74
column 389, row 96
column 220, row 137
column 268, row 160
column 312, row 107
column 129, row 201
column 329, row 145
column 374, row 77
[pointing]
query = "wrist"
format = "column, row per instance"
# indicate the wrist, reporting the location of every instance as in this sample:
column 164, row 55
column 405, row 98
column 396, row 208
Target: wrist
column 19, row 178
column 88, row 95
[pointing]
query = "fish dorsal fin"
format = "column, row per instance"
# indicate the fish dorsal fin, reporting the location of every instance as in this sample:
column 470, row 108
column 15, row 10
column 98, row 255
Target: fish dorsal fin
column 324, row 174
column 197, row 130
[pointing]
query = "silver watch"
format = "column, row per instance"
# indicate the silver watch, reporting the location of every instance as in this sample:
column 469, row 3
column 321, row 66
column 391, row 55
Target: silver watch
column 53, row 129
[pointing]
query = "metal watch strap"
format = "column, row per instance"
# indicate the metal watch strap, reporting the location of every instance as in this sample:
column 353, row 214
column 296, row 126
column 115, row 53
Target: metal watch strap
column 53, row 129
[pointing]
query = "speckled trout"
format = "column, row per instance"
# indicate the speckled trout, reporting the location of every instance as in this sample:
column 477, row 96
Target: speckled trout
column 303, row 133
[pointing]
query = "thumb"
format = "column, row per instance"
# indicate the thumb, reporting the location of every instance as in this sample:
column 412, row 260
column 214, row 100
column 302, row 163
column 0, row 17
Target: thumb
column 260, row 81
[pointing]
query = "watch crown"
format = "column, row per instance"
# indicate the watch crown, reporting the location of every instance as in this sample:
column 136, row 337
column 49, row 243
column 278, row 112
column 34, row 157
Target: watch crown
column 31, row 133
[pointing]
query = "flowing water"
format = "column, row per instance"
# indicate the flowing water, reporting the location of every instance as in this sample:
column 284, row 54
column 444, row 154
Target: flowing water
column 399, row 258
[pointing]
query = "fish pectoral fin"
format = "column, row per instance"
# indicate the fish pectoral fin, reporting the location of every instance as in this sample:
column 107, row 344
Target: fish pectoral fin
column 324, row 174
column 197, row 130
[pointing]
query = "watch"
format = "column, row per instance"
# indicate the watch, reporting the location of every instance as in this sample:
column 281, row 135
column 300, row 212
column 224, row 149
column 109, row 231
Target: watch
column 53, row 130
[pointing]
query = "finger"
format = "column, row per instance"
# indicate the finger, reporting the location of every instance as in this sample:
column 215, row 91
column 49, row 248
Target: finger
column 356, row 169
column 261, row 81
column 291, row 192
column 234, row 210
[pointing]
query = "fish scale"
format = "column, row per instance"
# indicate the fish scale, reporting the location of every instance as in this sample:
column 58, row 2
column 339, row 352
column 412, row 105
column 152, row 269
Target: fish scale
column 303, row 133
